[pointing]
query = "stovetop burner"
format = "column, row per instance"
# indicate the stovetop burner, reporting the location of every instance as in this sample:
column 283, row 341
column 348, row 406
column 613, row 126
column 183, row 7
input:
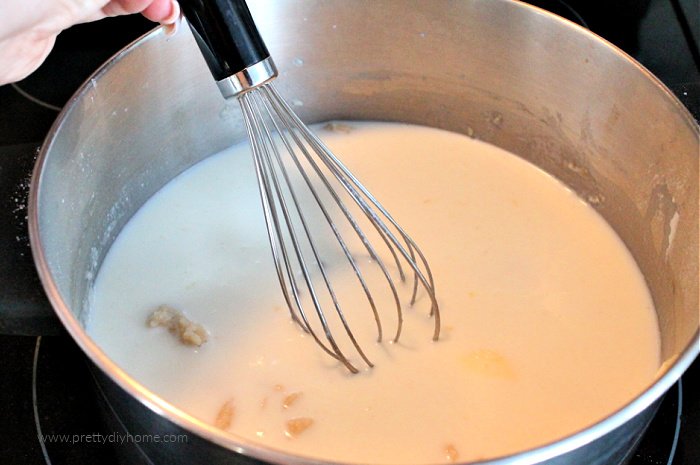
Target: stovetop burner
column 47, row 387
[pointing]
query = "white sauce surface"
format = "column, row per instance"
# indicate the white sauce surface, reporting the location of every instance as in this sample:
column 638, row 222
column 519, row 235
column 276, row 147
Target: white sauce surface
column 547, row 323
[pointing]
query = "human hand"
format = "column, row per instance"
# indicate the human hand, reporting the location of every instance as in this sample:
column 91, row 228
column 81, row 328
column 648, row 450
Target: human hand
column 28, row 28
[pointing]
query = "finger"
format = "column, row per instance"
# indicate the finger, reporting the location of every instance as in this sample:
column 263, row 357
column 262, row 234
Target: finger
column 162, row 11
column 125, row 7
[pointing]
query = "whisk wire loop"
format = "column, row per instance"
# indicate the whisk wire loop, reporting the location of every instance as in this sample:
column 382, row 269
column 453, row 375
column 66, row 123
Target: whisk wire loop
column 273, row 200
column 356, row 190
column 282, row 199
column 277, row 135
column 291, row 131
column 336, row 233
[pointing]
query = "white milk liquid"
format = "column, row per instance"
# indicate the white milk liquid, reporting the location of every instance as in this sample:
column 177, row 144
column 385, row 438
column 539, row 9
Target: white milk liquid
column 547, row 325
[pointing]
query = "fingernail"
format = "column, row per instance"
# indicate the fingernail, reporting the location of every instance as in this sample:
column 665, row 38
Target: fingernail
column 174, row 13
column 173, row 20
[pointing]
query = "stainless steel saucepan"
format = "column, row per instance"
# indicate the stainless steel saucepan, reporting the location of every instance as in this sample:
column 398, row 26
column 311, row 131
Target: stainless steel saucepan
column 502, row 71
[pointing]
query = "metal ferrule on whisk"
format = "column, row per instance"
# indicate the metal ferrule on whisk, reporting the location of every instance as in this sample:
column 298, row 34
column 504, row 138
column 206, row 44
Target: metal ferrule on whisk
column 250, row 78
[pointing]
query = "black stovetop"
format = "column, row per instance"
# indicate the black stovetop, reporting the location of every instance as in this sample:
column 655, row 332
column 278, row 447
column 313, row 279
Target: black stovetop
column 45, row 387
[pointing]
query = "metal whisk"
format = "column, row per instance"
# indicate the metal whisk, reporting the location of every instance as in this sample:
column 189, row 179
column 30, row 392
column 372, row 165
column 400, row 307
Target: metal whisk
column 284, row 149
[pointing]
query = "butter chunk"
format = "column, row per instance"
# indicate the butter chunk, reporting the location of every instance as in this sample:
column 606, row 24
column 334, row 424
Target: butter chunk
column 335, row 126
column 296, row 426
column 290, row 399
column 451, row 453
column 225, row 416
column 189, row 332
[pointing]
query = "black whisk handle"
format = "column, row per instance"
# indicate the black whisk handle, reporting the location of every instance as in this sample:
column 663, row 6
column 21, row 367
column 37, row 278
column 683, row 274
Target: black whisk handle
column 226, row 35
